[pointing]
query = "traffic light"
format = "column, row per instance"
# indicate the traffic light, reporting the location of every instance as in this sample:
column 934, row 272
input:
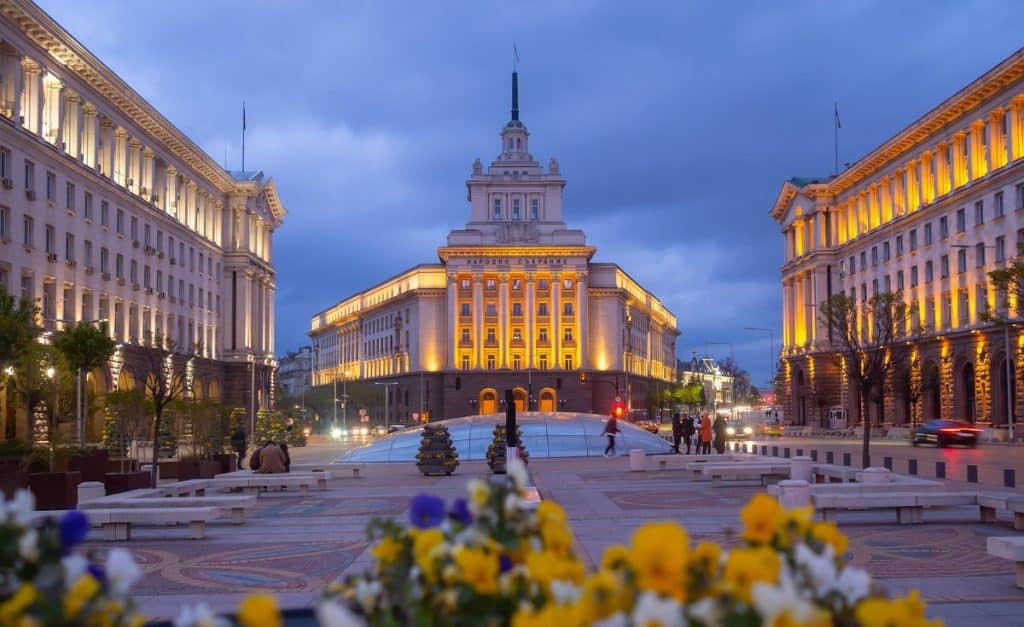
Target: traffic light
column 618, row 409
column 583, row 377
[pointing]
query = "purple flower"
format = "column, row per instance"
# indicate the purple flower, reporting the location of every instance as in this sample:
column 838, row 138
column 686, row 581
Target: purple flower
column 426, row 511
column 73, row 529
column 460, row 512
column 504, row 563
column 97, row 572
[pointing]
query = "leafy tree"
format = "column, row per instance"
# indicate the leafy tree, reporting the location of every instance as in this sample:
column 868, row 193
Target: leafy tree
column 868, row 338
column 740, row 377
column 164, row 384
column 18, row 328
column 753, row 396
column 84, row 347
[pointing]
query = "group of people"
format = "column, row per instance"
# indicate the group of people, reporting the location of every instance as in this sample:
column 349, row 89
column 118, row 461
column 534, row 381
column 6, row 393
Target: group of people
column 265, row 459
column 684, row 428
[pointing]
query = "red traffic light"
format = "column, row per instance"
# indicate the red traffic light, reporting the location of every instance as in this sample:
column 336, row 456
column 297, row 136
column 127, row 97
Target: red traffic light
column 618, row 410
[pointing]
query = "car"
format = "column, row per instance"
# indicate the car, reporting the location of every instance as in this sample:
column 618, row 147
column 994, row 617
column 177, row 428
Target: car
column 396, row 428
column 379, row 430
column 773, row 429
column 944, row 433
column 738, row 431
column 649, row 425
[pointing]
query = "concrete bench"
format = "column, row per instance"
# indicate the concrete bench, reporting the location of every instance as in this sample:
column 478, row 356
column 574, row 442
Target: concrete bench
column 737, row 472
column 908, row 511
column 356, row 469
column 253, row 483
column 236, row 506
column 1009, row 548
column 825, row 473
column 990, row 504
column 898, row 484
column 192, row 487
column 698, row 468
column 117, row 523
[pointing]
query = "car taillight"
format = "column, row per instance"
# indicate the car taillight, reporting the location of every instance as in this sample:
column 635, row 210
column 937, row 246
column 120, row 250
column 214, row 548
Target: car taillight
column 959, row 430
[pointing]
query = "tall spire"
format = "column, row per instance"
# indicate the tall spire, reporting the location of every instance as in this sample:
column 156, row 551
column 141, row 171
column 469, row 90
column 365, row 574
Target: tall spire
column 515, row 95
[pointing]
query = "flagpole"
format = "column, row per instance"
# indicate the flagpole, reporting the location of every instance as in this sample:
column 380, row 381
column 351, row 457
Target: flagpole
column 835, row 129
column 243, row 136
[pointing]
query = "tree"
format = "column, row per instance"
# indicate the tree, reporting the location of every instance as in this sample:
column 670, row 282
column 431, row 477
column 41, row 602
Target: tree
column 869, row 339
column 753, row 396
column 165, row 383
column 18, row 328
column 740, row 378
column 85, row 348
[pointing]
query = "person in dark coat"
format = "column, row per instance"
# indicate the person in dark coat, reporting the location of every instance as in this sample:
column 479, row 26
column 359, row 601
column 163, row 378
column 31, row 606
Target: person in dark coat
column 688, row 432
column 238, row 444
column 287, row 457
column 611, row 429
column 677, row 431
column 719, row 427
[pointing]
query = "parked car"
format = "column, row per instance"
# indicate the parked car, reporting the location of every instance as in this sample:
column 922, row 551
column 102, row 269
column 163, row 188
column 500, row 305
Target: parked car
column 770, row 429
column 738, row 431
column 378, row 430
column 649, row 425
column 395, row 428
column 944, row 433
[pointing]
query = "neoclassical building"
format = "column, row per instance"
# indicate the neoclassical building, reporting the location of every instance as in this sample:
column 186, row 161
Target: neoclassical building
column 515, row 303
column 928, row 214
column 109, row 212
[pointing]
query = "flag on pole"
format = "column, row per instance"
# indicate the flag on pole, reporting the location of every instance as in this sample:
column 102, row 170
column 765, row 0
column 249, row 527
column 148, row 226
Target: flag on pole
column 243, row 115
column 838, row 123
column 515, row 52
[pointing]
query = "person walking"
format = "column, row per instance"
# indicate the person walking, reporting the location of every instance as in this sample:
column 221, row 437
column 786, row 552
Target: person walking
column 611, row 429
column 271, row 459
column 677, row 431
column 238, row 444
column 705, row 434
column 720, row 435
column 688, row 432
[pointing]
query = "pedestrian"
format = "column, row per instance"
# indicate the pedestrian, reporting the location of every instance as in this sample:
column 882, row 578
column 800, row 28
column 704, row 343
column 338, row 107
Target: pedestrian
column 720, row 435
column 287, row 457
column 271, row 459
column 238, row 444
column 688, row 432
column 254, row 460
column 611, row 429
column 677, row 431
column 705, row 434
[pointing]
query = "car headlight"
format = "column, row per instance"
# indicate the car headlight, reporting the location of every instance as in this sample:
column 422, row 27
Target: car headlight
column 335, row 433
column 748, row 430
column 730, row 431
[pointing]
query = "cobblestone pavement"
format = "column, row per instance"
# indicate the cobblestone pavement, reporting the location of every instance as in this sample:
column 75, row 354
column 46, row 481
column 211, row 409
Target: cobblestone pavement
column 294, row 545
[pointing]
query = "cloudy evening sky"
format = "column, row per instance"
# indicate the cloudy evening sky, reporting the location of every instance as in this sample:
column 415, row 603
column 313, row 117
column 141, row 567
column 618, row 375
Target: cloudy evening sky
column 675, row 123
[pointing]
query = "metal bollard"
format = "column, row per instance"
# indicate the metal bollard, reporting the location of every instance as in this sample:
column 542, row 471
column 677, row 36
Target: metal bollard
column 830, row 457
column 814, row 455
column 1009, row 478
column 940, row 470
column 911, row 466
column 887, row 462
column 846, row 459
column 972, row 473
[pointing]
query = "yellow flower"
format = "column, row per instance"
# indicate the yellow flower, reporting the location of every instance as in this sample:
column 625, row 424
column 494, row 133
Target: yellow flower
column 551, row 615
column 615, row 558
column 79, row 594
column 786, row 619
column 828, row 533
column 550, row 512
column 761, row 517
column 907, row 611
column 658, row 557
column 745, row 567
column 18, row 603
column 387, row 550
column 602, row 595
column 478, row 492
column 423, row 545
column 706, row 559
column 478, row 568
column 259, row 610
column 557, row 538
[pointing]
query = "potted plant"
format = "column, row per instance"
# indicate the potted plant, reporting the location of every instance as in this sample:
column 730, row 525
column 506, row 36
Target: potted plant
column 92, row 463
column 195, row 467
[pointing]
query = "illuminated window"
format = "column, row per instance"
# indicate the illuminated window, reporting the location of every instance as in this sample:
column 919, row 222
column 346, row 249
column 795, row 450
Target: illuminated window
column 568, row 334
column 465, row 284
column 517, row 284
column 491, row 364
column 491, row 335
column 497, row 208
column 465, row 334
column 517, row 362
column 542, row 362
column 567, row 284
column 535, row 209
column 542, row 284
column 465, row 362
column 491, row 284
column 568, row 362
column 542, row 334
column 517, row 335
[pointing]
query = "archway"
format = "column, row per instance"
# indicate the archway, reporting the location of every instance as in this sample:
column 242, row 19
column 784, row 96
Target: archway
column 548, row 400
column 931, row 404
column 901, row 391
column 799, row 399
column 966, row 399
column 125, row 380
column 1000, row 391
column 198, row 389
column 488, row 401
column 214, row 393
column 96, row 389
column 521, row 399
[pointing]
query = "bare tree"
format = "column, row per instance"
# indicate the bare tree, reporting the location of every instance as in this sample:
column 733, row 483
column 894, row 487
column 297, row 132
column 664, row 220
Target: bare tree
column 871, row 340
column 165, row 383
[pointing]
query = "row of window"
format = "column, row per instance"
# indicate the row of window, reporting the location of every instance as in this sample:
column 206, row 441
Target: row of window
column 517, row 335
column 491, row 309
column 516, row 284
column 491, row 362
column 515, row 213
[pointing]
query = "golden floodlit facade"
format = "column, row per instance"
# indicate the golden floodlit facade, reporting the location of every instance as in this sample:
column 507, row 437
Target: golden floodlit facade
column 515, row 303
column 927, row 215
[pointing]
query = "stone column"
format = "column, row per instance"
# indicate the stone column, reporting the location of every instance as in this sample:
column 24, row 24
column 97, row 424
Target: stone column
column 72, row 125
column 1017, row 127
column 478, row 320
column 582, row 318
column 979, row 160
column 529, row 306
column 800, row 332
column 453, row 314
column 996, row 138
column 556, row 319
column 170, row 203
column 503, row 333
column 786, row 313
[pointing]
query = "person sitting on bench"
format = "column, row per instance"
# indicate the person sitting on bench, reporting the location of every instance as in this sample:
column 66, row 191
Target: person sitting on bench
column 271, row 459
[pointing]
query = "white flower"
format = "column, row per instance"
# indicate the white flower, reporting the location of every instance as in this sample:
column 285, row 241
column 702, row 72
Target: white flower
column 331, row 613
column 28, row 545
column 564, row 592
column 367, row 592
column 705, row 612
column 199, row 616
column 512, row 504
column 21, row 507
column 618, row 619
column 774, row 601
column 122, row 571
column 516, row 471
column 74, row 567
column 820, row 569
column 854, row 584
column 651, row 610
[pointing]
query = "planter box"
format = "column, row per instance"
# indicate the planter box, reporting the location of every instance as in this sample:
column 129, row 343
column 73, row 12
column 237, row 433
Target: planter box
column 198, row 469
column 228, row 462
column 115, row 464
column 55, row 490
column 13, row 477
column 117, row 482
column 92, row 465
column 170, row 470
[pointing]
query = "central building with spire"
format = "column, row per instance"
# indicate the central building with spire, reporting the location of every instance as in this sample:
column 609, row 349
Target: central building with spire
column 516, row 302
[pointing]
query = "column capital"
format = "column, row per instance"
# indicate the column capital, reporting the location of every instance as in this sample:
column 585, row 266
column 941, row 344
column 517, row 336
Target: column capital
column 171, row 170
column 147, row 152
column 503, row 279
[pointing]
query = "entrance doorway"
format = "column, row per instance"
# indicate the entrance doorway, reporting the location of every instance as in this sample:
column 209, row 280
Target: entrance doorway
column 488, row 401
column 547, row 400
column 521, row 397
column 999, row 393
column 966, row 396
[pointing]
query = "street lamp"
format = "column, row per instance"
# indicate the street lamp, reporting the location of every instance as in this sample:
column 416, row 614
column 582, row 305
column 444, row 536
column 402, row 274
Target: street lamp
column 51, row 373
column 387, row 385
column 771, row 347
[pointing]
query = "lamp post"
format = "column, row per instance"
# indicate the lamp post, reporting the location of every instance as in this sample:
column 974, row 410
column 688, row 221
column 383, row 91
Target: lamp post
column 51, row 373
column 387, row 385
column 771, row 347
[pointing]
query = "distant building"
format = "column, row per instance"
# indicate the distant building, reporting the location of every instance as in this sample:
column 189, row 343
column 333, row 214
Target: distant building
column 295, row 371
column 718, row 385
column 515, row 303
column 926, row 215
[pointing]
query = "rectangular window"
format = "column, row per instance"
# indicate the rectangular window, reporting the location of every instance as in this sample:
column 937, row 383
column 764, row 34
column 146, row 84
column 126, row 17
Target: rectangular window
column 5, row 222
column 928, row 234
column 515, row 208
column 874, row 287
column 1020, row 196
column 981, row 292
column 899, row 245
column 567, row 309
column 863, row 261
column 104, row 213
column 885, row 251
column 517, row 285
column 465, row 310
column 864, row 291
column 69, row 246
column 979, row 255
column 465, row 282
column 51, row 239
column 566, row 284
column 961, row 224
column 913, row 276
column 568, row 362
column 542, row 334
column 51, row 187
column 517, row 309
column 491, row 365
column 159, row 241
column 542, row 362
column 104, row 259
column 886, row 284
column 28, row 232
column 87, row 252
column 6, row 165
column 913, row 240
column 491, row 309
column 929, row 272
column 535, row 209
column 119, row 266
column 944, row 266
column 853, row 264
column 87, row 205
column 30, row 176
column 979, row 212
column 146, row 272
column 899, row 280
column 70, row 196
column 1000, row 249
column 542, row 284
column 998, row 202
column 135, row 228
column 159, row 281
column 517, row 362
column 542, row 309
column 491, row 335
column 961, row 261
column 465, row 362
column 120, row 221
column 490, row 283
column 134, row 271
column 497, row 208
column 147, row 235
column 842, row 268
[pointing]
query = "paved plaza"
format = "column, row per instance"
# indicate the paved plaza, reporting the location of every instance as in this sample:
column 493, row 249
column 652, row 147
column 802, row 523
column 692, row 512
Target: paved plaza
column 294, row 545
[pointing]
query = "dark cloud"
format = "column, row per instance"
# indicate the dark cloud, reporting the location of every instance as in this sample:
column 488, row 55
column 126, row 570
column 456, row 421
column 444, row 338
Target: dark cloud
column 675, row 122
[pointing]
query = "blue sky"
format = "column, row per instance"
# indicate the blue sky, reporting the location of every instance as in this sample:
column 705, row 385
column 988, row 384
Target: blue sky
column 675, row 123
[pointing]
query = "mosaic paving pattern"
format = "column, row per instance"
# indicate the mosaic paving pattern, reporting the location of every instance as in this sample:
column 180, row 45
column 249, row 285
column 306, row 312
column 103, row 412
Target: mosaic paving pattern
column 334, row 507
column 944, row 550
column 682, row 496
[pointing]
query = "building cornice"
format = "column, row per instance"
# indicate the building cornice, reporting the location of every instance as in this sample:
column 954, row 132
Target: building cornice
column 69, row 52
column 456, row 252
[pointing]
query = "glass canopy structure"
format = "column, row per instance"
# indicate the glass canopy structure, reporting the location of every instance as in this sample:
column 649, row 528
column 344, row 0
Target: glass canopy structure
column 561, row 434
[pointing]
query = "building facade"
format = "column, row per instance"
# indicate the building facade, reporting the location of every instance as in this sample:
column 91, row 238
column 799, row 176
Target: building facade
column 108, row 212
column 295, row 371
column 515, row 303
column 718, row 384
column 926, row 215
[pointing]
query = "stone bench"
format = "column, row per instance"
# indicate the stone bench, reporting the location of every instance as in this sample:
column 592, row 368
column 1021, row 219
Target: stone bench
column 117, row 523
column 908, row 512
column 825, row 473
column 1009, row 548
column 253, row 483
column 991, row 503
column 236, row 506
column 192, row 487
column 698, row 468
column 737, row 472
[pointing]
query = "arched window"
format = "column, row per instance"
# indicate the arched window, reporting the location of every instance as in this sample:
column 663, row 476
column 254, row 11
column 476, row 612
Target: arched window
column 519, row 144
column 510, row 143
